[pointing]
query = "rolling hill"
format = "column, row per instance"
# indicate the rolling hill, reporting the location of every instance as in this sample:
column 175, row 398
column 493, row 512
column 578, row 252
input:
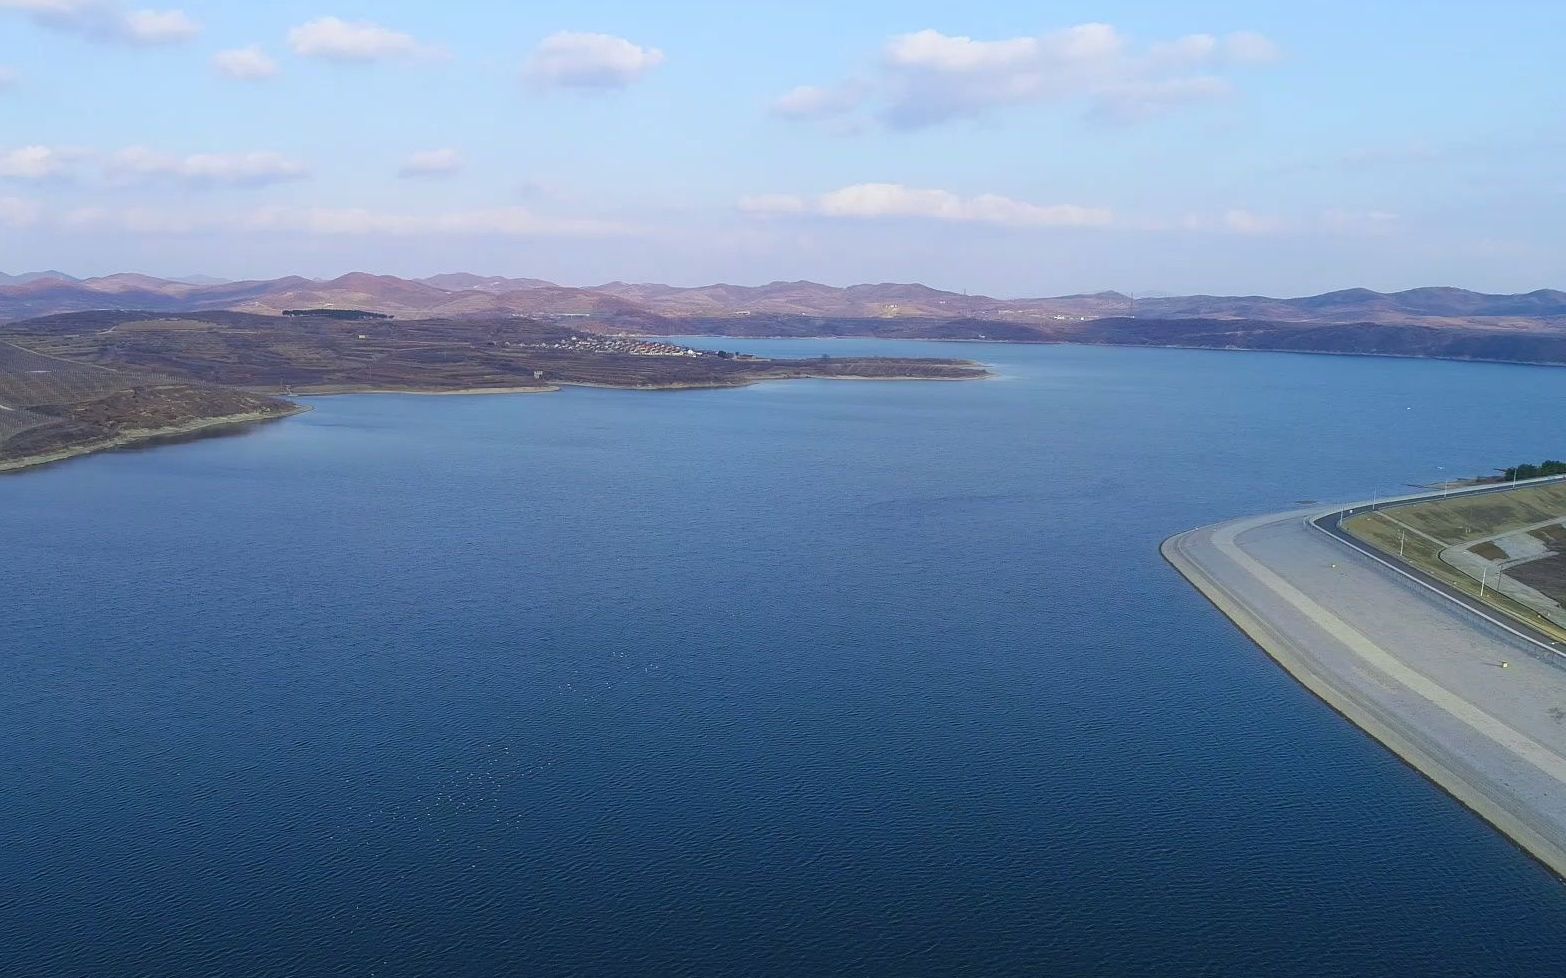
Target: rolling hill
column 628, row 305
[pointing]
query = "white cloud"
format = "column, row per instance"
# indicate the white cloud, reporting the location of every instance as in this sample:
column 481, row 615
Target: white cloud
column 1136, row 101
column 34, row 163
column 589, row 61
column 245, row 64
column 8, row 78
column 431, row 163
column 108, row 20
column 499, row 222
column 893, row 200
column 1242, row 221
column 16, row 212
column 336, row 39
column 817, row 102
column 871, row 201
column 1249, row 47
column 774, row 204
column 335, row 222
column 159, row 26
column 1354, row 222
column 137, row 220
column 928, row 77
column 138, row 164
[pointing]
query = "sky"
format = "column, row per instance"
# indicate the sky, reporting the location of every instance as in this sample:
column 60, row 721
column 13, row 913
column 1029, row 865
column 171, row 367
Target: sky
column 1006, row 148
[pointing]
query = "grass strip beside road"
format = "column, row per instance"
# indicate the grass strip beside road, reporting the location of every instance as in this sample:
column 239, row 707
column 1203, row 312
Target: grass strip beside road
column 1416, row 533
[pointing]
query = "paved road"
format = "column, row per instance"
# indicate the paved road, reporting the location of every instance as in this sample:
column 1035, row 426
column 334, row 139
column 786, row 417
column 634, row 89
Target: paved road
column 1332, row 523
column 1421, row 674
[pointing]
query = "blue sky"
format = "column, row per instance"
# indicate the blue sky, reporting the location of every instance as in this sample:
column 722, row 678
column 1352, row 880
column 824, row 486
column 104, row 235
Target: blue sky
column 1007, row 148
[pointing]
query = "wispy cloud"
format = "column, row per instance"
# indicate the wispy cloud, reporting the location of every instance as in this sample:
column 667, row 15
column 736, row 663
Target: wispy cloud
column 927, row 77
column 245, row 64
column 498, row 221
column 1336, row 221
column 1347, row 221
column 592, row 62
column 108, row 21
column 893, row 200
column 431, row 163
column 339, row 222
column 8, row 78
column 137, row 164
column 819, row 101
column 335, row 39
column 17, row 212
column 35, row 163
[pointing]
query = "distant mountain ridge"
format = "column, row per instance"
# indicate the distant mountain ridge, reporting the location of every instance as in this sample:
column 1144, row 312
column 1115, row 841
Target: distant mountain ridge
column 622, row 304
column 1360, row 305
column 26, row 277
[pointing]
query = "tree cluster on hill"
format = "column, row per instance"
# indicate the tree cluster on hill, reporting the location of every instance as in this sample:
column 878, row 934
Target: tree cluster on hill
column 351, row 314
column 1549, row 466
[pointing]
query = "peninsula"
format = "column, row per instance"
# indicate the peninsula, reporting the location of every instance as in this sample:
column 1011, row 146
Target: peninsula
column 81, row 382
column 1466, row 681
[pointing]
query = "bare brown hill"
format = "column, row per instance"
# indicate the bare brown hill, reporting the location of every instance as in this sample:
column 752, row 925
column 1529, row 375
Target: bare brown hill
column 53, row 408
column 76, row 382
column 627, row 305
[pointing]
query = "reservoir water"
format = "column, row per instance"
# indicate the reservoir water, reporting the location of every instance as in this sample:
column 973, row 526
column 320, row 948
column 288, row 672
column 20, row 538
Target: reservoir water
column 809, row 678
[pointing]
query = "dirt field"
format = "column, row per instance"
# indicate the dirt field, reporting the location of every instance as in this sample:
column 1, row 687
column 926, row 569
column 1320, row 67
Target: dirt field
column 1488, row 550
column 1547, row 575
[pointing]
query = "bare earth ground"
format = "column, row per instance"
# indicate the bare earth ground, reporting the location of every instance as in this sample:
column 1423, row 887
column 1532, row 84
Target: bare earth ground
column 1546, row 575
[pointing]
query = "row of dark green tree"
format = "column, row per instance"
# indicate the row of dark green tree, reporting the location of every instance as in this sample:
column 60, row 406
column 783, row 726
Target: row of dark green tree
column 1549, row 466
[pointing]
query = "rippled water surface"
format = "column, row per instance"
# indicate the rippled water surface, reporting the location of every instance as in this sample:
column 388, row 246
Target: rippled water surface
column 816, row 678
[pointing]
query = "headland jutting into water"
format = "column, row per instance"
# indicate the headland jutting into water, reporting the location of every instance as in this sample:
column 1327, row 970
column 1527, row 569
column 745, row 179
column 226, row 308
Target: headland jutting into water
column 82, row 382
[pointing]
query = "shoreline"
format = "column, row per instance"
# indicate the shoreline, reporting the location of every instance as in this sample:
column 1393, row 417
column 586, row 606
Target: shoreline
column 1483, row 762
column 342, row 392
column 559, row 385
column 136, row 436
column 1113, row 346
column 131, row 437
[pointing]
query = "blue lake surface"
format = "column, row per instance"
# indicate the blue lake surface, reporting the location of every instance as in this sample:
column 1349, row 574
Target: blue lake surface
column 809, row 678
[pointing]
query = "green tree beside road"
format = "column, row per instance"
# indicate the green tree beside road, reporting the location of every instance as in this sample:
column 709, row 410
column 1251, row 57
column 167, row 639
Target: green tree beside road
column 1528, row 471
